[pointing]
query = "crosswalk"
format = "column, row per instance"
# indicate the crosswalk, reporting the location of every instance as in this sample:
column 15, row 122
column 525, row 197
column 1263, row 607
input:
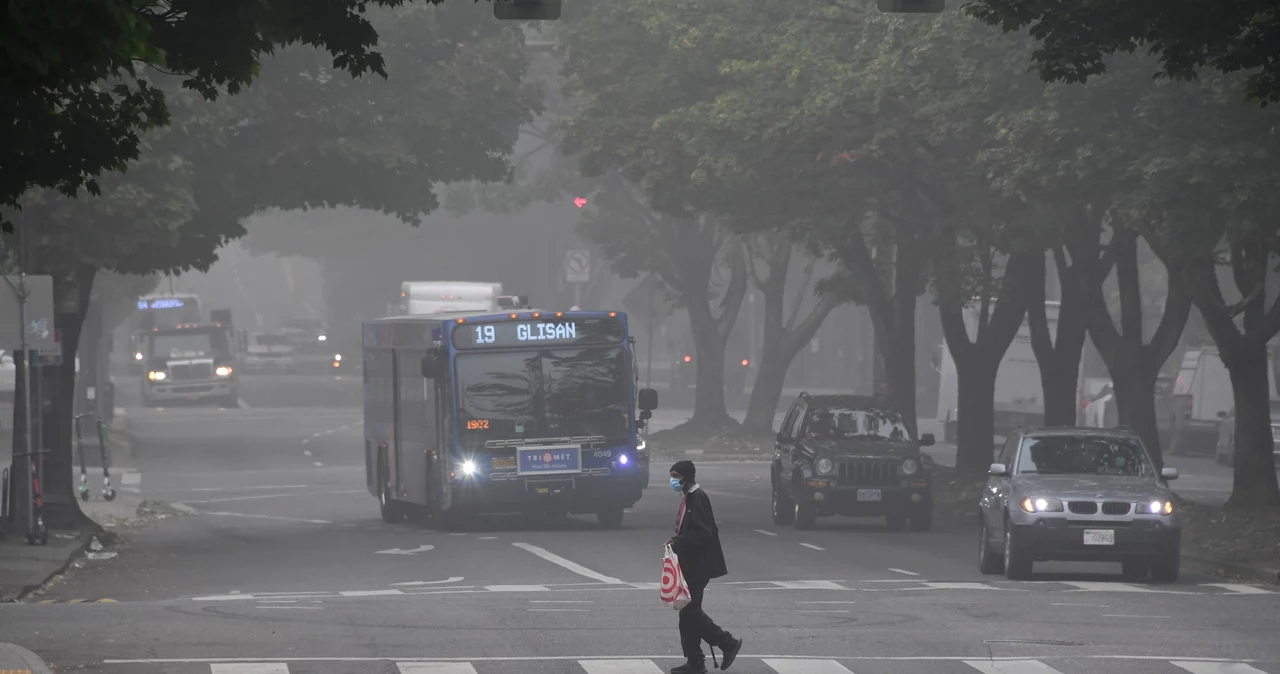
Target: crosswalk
column 774, row 665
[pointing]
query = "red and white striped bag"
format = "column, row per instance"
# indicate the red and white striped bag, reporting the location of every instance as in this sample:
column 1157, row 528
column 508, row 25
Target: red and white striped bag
column 673, row 589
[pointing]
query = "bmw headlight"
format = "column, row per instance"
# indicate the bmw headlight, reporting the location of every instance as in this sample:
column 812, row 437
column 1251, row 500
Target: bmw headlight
column 825, row 466
column 910, row 467
column 1041, row 505
column 1157, row 507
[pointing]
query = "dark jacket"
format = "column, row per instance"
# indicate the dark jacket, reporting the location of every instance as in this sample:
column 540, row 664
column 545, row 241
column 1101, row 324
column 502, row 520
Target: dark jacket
column 698, row 542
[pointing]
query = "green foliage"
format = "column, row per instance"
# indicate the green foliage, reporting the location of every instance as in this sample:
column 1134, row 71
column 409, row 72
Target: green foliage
column 1185, row 36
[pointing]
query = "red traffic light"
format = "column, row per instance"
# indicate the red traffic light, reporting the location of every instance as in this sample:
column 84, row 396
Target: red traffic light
column 579, row 202
column 745, row 362
column 688, row 359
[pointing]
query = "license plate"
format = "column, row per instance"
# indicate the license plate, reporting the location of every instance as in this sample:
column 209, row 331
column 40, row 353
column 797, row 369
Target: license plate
column 500, row 464
column 1099, row 537
column 549, row 460
column 868, row 494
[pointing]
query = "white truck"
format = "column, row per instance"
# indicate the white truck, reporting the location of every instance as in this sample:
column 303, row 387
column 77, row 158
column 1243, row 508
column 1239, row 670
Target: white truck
column 1019, row 398
column 1202, row 398
column 434, row 297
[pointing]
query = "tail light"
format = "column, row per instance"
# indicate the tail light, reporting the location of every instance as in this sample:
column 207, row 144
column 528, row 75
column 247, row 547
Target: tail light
column 687, row 358
column 746, row 362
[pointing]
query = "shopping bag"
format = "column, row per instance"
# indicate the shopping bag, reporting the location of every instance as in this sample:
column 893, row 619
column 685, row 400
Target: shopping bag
column 673, row 589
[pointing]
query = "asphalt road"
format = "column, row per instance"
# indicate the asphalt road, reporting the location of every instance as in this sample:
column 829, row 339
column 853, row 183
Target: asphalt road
column 285, row 566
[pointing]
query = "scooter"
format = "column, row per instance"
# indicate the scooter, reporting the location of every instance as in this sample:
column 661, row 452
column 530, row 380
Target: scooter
column 108, row 492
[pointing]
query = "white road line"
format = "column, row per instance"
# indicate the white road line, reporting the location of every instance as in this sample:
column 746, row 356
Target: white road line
column 766, row 533
column 450, row 579
column 1091, row 586
column 664, row 656
column 796, row 666
column 307, row 441
column 564, row 563
column 1121, row 615
column 1011, row 667
column 263, row 486
column 808, row 585
column 184, row 508
column 1086, row 605
column 266, row 496
column 826, row 602
column 435, row 668
column 292, row 608
column 517, row 588
column 966, row 586
column 1216, row 667
column 811, row 546
column 371, row 593
column 265, row 517
column 131, row 479
column 318, row 464
column 1236, row 588
column 619, row 667
column 560, row 601
column 249, row 668
column 558, row 610
column 242, row 404
column 821, row 611
column 904, row 572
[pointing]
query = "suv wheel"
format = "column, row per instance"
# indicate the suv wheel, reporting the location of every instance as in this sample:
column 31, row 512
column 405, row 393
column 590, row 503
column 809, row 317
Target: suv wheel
column 895, row 522
column 805, row 513
column 989, row 562
column 1017, row 563
column 783, row 510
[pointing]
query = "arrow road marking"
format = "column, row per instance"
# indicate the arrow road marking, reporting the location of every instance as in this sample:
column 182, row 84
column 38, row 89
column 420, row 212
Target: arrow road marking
column 398, row 551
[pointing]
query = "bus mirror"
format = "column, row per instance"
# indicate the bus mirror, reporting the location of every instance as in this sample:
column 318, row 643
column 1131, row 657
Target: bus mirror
column 648, row 399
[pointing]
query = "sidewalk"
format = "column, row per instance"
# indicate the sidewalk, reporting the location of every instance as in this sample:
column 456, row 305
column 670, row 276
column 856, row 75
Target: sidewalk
column 15, row 659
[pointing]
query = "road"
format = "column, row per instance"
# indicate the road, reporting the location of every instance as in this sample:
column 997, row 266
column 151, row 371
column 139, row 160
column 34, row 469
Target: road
column 285, row 566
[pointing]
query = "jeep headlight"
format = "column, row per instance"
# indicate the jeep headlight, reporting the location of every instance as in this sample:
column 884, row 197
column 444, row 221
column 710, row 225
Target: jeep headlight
column 824, row 466
column 910, row 467
column 223, row 370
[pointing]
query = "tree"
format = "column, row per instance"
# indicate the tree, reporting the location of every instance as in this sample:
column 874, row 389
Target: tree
column 1184, row 36
column 294, row 141
column 72, row 85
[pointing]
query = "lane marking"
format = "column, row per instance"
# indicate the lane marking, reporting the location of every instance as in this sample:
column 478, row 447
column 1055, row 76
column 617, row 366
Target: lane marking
column 319, row 465
column 965, row 586
column 371, row 593
column 249, row 668
column 260, row 497
column 821, row 611
column 262, row 486
column 808, row 585
column 1086, row 605
column 558, row 610
column 131, row 479
column 811, row 546
column 826, row 602
column 904, row 572
column 306, row 452
column 668, row 656
column 291, row 608
column 1216, row 667
column 307, row 441
column 766, row 533
column 619, row 667
column 450, row 579
column 566, row 564
column 1092, row 586
column 184, row 508
column 804, row 666
column 435, row 668
column 1237, row 588
column 265, row 517
column 1011, row 667
column 558, row 601
column 517, row 588
column 242, row 404
column 1121, row 615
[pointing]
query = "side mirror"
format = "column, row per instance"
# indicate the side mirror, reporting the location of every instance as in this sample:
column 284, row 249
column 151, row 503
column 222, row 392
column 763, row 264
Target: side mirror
column 648, row 399
column 1222, row 415
column 926, row 440
column 431, row 365
column 998, row 470
column 1168, row 473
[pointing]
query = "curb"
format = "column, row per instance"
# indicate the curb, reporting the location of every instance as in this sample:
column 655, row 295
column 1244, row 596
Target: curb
column 104, row 537
column 1233, row 569
column 13, row 654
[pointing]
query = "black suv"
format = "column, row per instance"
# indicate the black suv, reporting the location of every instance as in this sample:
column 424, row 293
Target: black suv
column 850, row 455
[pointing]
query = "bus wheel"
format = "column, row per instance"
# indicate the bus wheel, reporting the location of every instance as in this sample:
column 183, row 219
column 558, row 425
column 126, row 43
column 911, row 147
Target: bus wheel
column 610, row 519
column 392, row 512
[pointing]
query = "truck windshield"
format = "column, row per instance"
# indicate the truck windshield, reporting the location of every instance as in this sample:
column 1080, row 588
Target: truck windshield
column 546, row 394
column 184, row 345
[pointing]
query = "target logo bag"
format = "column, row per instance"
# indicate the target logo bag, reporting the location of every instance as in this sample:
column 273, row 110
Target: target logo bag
column 673, row 590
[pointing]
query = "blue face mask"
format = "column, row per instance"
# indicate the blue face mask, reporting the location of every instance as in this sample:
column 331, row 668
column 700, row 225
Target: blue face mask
column 675, row 484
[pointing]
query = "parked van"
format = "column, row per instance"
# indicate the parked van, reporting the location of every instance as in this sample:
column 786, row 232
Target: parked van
column 1202, row 398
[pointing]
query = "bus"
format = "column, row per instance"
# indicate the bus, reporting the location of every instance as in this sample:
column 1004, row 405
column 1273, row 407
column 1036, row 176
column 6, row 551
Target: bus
column 435, row 297
column 158, row 311
column 523, row 412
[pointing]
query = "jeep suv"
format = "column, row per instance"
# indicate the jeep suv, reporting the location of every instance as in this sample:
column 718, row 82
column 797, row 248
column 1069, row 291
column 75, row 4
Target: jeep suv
column 850, row 455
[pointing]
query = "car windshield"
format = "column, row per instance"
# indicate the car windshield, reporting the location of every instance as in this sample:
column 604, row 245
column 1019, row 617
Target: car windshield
column 1083, row 455
column 184, row 345
column 856, row 423
column 545, row 394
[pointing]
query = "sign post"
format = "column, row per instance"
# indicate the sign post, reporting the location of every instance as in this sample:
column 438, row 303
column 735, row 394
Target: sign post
column 577, row 270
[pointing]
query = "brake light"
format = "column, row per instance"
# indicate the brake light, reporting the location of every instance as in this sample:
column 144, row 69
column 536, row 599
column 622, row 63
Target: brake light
column 745, row 362
column 688, row 359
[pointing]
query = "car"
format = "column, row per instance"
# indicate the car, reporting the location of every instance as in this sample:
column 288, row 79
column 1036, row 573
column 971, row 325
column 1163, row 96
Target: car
column 269, row 352
column 1226, row 449
column 309, row 335
column 850, row 455
column 1078, row 494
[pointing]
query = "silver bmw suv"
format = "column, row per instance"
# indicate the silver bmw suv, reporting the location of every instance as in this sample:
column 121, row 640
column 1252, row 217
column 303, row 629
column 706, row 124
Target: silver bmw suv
column 1078, row 494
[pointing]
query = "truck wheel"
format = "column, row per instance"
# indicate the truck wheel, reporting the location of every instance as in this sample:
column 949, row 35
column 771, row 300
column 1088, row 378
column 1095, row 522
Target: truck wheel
column 1165, row 570
column 1017, row 563
column 784, row 511
column 611, row 518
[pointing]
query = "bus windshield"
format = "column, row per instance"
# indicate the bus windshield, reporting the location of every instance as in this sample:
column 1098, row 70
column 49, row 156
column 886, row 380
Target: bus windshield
column 544, row 394
column 171, row 316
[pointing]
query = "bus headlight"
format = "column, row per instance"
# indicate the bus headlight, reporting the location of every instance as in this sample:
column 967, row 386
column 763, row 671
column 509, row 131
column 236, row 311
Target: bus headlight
column 622, row 459
column 223, row 371
column 337, row 357
column 468, row 468
column 156, row 376
column 322, row 338
column 137, row 356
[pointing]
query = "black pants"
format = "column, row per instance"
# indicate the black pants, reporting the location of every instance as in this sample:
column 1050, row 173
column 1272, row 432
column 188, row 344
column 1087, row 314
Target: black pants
column 696, row 626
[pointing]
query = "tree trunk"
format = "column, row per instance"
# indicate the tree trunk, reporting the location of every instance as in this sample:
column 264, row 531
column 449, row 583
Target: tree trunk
column 1255, row 467
column 708, row 399
column 975, row 414
column 900, row 369
column 1135, row 387
column 775, row 359
column 1058, row 356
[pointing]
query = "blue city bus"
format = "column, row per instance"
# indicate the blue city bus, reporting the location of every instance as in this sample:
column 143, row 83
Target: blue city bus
column 523, row 412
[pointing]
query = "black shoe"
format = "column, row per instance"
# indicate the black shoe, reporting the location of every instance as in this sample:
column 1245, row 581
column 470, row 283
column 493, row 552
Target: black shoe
column 691, row 667
column 729, row 653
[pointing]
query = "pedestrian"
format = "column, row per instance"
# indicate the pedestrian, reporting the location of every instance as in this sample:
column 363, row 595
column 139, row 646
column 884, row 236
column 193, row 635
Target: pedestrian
column 697, row 544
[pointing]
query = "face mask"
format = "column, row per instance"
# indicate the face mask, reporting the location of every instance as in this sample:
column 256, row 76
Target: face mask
column 675, row 484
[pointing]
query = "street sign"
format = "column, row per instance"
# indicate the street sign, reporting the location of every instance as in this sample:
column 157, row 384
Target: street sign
column 53, row 356
column 39, row 327
column 577, row 266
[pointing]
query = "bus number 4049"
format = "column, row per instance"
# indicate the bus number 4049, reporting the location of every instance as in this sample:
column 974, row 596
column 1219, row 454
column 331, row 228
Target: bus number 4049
column 603, row 453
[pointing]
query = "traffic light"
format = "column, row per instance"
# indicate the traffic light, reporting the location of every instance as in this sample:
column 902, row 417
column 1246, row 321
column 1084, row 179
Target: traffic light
column 911, row 6
column 746, row 362
column 688, row 359
column 526, row 10
column 579, row 201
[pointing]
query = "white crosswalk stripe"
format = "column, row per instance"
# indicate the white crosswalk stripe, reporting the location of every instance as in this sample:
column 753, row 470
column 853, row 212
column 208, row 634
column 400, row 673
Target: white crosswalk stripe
column 1217, row 667
column 789, row 666
column 435, row 668
column 250, row 668
column 1011, row 667
column 620, row 667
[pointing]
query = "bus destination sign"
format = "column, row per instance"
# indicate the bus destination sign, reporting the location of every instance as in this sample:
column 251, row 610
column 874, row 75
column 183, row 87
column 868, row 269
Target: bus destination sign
column 537, row 332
